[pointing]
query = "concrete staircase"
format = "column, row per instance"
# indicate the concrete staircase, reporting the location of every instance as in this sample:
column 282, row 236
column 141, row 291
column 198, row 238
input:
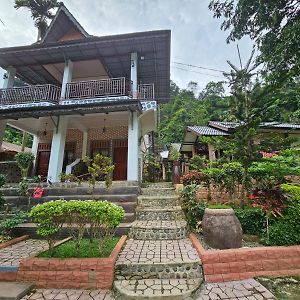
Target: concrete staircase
column 158, row 261
column 121, row 193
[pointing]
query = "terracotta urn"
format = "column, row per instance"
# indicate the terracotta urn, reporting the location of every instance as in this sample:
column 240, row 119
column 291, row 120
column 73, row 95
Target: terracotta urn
column 222, row 229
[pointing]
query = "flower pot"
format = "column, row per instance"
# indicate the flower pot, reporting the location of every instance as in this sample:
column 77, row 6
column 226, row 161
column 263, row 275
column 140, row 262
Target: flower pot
column 222, row 229
column 176, row 172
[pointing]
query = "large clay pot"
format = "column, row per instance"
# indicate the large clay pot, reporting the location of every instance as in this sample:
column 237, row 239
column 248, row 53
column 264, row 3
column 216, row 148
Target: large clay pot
column 222, row 229
column 176, row 172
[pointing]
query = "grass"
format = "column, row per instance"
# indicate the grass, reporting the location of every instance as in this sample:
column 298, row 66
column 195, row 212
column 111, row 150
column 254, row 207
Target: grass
column 87, row 249
column 286, row 288
column 218, row 206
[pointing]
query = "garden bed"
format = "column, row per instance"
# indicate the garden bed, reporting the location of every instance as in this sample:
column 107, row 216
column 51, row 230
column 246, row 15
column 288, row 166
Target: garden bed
column 78, row 273
column 248, row 242
column 87, row 249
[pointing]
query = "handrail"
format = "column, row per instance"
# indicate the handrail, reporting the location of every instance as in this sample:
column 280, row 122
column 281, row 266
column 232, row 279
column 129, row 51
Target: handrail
column 96, row 88
column 29, row 94
column 146, row 91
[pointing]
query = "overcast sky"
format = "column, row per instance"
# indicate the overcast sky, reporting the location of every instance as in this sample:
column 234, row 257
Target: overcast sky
column 196, row 36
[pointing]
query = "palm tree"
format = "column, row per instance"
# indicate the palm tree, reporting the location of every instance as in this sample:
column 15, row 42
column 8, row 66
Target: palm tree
column 40, row 12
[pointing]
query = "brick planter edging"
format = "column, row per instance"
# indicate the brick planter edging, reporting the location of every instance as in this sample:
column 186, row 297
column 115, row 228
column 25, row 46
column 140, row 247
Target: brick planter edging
column 244, row 263
column 86, row 273
column 14, row 241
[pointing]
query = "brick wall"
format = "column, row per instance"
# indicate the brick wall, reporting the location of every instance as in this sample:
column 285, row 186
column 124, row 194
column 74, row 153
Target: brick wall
column 243, row 263
column 70, row 273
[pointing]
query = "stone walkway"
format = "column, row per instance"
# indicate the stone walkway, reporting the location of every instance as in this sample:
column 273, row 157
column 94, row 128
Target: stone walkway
column 242, row 290
column 158, row 260
column 12, row 255
column 49, row 294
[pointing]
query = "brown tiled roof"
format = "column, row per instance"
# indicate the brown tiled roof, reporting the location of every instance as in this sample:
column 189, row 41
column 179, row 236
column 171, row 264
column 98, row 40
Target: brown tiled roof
column 9, row 147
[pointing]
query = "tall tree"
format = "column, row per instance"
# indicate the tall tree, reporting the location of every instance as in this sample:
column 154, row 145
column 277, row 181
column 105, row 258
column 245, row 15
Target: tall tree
column 274, row 26
column 41, row 11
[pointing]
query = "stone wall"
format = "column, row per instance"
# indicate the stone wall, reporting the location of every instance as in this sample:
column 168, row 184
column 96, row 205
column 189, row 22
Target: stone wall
column 244, row 263
column 11, row 170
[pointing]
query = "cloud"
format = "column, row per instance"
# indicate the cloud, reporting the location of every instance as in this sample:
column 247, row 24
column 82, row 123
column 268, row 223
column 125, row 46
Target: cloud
column 196, row 35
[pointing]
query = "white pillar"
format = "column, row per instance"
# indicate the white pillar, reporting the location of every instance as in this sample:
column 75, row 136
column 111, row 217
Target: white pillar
column 57, row 149
column 67, row 77
column 9, row 78
column 84, row 144
column 133, row 75
column 133, row 147
column 34, row 150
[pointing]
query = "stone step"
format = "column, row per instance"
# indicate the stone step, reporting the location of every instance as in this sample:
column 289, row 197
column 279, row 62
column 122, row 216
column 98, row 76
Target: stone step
column 21, row 203
column 156, row 289
column 158, row 185
column 30, row 229
column 161, row 201
column 162, row 259
column 158, row 230
column 14, row 290
column 171, row 213
column 78, row 190
column 151, row 191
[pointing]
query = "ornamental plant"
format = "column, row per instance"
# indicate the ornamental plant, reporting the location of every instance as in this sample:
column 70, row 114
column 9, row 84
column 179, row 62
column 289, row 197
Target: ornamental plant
column 99, row 168
column 102, row 216
column 192, row 177
column 24, row 161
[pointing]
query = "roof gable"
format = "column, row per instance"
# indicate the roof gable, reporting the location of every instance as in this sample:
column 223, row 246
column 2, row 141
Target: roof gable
column 64, row 27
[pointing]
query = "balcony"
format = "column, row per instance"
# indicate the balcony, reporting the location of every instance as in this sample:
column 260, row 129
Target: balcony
column 76, row 93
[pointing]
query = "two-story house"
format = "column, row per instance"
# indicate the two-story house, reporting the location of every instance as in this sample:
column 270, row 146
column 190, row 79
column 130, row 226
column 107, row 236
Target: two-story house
column 86, row 94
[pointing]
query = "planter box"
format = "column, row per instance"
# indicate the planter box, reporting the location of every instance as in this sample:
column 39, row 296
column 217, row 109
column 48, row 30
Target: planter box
column 245, row 263
column 81, row 273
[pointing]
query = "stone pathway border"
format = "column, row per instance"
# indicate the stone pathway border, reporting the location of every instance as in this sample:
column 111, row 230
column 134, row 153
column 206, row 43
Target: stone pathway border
column 14, row 241
column 243, row 263
column 242, row 290
column 14, row 254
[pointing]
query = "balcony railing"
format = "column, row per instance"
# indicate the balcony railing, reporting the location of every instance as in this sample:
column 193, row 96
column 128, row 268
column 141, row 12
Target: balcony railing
column 30, row 94
column 146, row 91
column 96, row 88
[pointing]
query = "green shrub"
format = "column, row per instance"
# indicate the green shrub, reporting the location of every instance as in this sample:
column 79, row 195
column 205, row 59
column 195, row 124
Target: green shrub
column 49, row 217
column 103, row 217
column 252, row 219
column 198, row 162
column 8, row 224
column 24, row 161
column 286, row 230
column 191, row 206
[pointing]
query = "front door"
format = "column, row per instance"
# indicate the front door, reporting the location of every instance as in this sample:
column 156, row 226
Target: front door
column 120, row 162
column 43, row 163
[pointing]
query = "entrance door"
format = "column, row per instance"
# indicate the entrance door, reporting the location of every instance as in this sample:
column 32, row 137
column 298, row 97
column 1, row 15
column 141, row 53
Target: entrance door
column 43, row 163
column 120, row 162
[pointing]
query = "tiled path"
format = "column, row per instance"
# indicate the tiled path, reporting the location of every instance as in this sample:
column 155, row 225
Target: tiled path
column 47, row 294
column 161, row 251
column 12, row 255
column 241, row 290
